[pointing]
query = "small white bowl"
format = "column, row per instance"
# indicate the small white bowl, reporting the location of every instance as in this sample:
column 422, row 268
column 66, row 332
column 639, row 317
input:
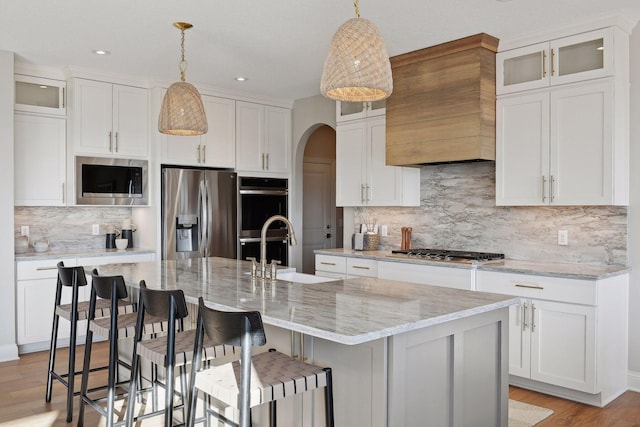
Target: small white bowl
column 121, row 244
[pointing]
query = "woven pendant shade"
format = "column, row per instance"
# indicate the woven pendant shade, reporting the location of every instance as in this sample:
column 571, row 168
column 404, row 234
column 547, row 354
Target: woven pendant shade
column 357, row 68
column 182, row 112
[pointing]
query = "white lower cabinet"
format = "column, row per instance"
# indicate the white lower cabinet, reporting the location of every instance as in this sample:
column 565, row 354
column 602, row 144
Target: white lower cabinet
column 562, row 333
column 450, row 277
column 35, row 296
column 341, row 267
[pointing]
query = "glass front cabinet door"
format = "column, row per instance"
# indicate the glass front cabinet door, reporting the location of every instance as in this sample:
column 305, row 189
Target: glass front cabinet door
column 566, row 60
column 38, row 95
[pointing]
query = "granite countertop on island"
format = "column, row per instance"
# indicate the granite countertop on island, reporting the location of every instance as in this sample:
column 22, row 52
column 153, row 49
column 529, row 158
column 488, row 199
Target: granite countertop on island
column 345, row 311
column 554, row 269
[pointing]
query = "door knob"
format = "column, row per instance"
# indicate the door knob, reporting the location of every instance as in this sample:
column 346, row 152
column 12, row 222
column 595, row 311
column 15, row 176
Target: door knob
column 328, row 235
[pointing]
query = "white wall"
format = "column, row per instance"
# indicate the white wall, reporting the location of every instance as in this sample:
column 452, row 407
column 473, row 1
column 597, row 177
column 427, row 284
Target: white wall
column 308, row 115
column 634, row 214
column 8, row 347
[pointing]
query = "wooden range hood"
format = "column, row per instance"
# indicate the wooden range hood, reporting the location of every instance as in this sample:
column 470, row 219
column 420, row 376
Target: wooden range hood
column 443, row 106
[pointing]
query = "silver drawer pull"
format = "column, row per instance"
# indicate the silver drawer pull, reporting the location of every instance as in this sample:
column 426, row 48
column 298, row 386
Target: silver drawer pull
column 520, row 285
column 327, row 263
column 55, row 267
column 361, row 268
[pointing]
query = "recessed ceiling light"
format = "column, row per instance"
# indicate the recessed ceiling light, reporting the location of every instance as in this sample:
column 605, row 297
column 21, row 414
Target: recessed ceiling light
column 241, row 79
column 101, row 52
column 43, row 87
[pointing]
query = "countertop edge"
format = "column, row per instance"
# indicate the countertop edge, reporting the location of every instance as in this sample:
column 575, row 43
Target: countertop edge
column 80, row 253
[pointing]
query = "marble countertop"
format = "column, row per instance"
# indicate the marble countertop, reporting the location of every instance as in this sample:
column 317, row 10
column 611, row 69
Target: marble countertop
column 31, row 255
column 345, row 311
column 554, row 269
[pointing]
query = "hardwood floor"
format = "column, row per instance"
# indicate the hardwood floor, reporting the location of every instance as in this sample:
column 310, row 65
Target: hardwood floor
column 22, row 387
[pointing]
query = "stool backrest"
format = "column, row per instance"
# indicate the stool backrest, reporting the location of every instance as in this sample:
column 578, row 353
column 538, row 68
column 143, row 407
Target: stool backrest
column 103, row 285
column 70, row 276
column 228, row 327
column 158, row 302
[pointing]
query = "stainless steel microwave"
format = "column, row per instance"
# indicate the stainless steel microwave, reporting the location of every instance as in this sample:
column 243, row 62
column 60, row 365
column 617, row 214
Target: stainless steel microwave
column 107, row 181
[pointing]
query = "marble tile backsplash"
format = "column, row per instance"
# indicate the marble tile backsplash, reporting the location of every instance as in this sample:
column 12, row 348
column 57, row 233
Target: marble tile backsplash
column 69, row 227
column 458, row 211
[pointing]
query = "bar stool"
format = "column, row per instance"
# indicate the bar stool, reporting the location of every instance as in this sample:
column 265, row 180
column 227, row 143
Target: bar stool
column 173, row 349
column 112, row 292
column 263, row 378
column 74, row 278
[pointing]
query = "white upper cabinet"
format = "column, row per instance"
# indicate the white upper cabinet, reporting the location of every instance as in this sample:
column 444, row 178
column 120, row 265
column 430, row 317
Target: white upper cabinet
column 346, row 111
column 39, row 151
column 362, row 175
column 568, row 143
column 110, row 120
column 38, row 95
column 263, row 138
column 569, row 59
column 216, row 148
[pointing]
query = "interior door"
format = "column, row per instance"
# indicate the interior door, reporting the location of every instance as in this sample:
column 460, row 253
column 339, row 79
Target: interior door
column 318, row 227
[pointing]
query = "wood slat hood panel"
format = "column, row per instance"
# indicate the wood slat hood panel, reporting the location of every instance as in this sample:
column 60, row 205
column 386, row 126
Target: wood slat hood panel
column 443, row 105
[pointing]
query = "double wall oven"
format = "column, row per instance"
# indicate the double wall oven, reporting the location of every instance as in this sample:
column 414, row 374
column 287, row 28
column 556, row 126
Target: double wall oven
column 259, row 199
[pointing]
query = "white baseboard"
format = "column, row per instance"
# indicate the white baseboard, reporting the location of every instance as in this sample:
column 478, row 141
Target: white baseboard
column 8, row 352
column 633, row 380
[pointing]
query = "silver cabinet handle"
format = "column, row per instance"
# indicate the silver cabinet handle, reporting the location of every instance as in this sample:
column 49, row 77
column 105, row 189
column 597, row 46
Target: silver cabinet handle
column 553, row 60
column 63, row 98
column 64, row 196
column 553, row 180
column 55, row 267
column 199, row 155
column 521, row 285
column 368, row 193
column 327, row 263
column 262, row 161
column 544, row 189
column 110, row 141
column 361, row 268
column 524, row 316
column 533, row 317
column 362, row 193
column 116, row 142
column 204, row 154
column 544, row 63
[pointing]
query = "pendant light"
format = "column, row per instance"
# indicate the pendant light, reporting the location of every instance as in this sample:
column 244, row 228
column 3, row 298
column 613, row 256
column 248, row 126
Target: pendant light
column 182, row 112
column 357, row 68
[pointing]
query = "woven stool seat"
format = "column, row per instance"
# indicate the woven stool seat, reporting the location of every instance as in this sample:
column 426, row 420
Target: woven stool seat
column 273, row 376
column 127, row 325
column 103, row 309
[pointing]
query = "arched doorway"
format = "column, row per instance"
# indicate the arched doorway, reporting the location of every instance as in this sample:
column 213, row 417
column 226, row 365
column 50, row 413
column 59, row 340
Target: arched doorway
column 321, row 220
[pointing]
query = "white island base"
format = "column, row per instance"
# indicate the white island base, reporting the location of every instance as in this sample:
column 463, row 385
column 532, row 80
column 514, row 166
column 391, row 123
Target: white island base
column 450, row 374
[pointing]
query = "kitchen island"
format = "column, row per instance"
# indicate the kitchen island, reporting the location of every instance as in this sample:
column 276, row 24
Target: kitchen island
column 402, row 354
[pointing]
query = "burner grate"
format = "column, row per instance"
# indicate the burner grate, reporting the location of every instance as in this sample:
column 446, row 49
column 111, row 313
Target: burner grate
column 448, row 255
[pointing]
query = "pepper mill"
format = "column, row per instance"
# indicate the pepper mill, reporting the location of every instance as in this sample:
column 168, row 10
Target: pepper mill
column 408, row 238
column 403, row 245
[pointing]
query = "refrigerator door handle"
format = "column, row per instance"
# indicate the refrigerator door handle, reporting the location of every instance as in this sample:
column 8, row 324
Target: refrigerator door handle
column 204, row 214
column 209, row 220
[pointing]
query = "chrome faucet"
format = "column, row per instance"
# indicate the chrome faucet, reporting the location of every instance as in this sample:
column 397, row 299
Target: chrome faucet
column 263, row 240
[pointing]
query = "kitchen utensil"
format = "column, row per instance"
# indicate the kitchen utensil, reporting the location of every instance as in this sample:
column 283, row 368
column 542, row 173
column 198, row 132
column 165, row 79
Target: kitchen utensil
column 21, row 244
column 41, row 245
column 121, row 244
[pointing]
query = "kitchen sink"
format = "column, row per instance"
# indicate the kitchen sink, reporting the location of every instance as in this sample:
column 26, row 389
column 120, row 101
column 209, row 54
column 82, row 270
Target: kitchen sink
column 296, row 277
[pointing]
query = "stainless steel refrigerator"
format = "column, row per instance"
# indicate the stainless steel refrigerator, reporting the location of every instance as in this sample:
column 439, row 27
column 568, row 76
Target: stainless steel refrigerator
column 199, row 213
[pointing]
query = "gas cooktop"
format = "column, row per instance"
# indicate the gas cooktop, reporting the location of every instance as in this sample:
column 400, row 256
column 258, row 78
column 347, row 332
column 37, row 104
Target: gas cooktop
column 446, row 255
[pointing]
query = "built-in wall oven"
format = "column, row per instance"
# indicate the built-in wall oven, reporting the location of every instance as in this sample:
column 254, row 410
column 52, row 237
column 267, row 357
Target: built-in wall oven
column 259, row 199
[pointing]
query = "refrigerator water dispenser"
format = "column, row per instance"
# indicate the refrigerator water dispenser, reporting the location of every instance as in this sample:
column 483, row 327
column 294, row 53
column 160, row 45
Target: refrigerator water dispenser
column 187, row 235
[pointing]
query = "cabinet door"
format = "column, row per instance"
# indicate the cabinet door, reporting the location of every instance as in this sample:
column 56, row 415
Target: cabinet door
column 92, row 117
column 581, row 165
column 130, row 121
column 350, row 110
column 524, row 68
column 39, row 151
column 581, row 57
column 384, row 183
column 351, row 152
column 520, row 339
column 522, row 150
column 249, row 136
column 38, row 95
column 219, row 143
column 563, row 345
column 277, row 139
column 182, row 150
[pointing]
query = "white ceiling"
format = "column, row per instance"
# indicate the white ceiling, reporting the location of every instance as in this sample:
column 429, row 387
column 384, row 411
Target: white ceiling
column 280, row 45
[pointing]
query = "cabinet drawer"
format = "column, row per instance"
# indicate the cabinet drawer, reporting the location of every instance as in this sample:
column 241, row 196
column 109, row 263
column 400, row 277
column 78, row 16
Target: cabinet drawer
column 41, row 269
column 541, row 287
column 362, row 267
column 334, row 264
column 450, row 277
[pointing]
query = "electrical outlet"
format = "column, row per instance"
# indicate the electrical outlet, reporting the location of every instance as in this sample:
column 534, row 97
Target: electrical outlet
column 384, row 230
column 96, row 229
column 563, row 237
column 24, row 230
